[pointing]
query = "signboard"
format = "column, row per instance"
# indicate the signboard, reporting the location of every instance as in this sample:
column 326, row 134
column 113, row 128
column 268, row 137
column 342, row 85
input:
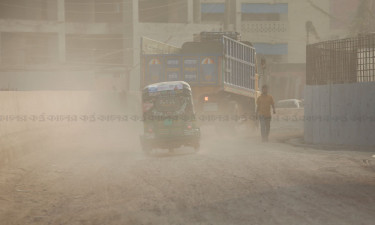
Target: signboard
column 154, row 69
column 195, row 70
column 172, row 68
column 190, row 69
column 150, row 46
column 208, row 70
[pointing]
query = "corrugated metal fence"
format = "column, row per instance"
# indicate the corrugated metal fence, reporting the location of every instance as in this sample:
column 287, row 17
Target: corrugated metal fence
column 340, row 92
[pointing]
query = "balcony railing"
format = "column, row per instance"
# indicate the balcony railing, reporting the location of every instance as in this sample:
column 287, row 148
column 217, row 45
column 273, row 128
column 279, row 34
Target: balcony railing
column 264, row 27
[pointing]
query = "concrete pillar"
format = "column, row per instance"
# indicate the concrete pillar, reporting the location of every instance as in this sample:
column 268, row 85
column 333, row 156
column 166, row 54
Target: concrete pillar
column 230, row 15
column 62, row 32
column 131, row 41
column 227, row 15
column 197, row 11
column 135, row 75
column 190, row 11
column 238, row 20
column 131, row 47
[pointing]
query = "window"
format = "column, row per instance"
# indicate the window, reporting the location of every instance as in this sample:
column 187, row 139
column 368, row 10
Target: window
column 28, row 48
column 162, row 11
column 271, row 49
column 102, row 49
column 213, row 12
column 89, row 11
column 28, row 10
column 107, row 11
column 80, row 11
column 264, row 12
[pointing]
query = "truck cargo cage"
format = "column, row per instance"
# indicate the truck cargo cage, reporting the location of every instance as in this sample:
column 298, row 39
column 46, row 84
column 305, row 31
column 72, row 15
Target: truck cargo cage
column 240, row 64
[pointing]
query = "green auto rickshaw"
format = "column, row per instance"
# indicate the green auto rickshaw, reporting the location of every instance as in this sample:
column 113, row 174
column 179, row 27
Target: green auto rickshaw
column 169, row 119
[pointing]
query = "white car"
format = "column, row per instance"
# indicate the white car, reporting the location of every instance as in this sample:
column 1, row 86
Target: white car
column 289, row 103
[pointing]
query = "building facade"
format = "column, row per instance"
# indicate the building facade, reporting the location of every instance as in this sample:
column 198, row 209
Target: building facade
column 94, row 44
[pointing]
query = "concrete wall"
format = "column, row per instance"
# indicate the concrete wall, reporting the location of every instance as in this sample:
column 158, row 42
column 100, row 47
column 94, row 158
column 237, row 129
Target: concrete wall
column 25, row 116
column 28, row 110
column 174, row 33
column 47, row 80
column 299, row 12
column 341, row 114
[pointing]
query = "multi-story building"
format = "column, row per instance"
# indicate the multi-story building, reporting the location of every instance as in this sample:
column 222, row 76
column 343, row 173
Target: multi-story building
column 94, row 44
column 65, row 44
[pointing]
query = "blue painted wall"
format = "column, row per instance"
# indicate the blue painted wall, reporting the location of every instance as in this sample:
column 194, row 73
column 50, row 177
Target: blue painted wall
column 281, row 8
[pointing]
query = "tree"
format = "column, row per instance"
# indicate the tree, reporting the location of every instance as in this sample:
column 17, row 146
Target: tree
column 364, row 20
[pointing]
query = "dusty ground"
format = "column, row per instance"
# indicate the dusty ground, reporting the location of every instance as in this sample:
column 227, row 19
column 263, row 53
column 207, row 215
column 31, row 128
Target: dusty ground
column 97, row 174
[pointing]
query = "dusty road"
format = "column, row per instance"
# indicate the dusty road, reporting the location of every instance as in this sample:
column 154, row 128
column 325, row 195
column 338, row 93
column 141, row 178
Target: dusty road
column 96, row 174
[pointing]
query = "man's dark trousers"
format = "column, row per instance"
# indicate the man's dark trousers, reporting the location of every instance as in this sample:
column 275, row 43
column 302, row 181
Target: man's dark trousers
column 265, row 124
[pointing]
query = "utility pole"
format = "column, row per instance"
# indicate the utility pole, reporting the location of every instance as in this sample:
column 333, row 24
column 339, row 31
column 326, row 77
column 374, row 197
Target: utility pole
column 130, row 49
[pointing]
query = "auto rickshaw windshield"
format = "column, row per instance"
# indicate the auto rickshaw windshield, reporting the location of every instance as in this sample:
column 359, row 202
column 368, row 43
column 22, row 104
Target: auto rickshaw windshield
column 168, row 103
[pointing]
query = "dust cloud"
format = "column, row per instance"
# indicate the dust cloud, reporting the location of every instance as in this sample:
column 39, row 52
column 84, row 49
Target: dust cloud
column 72, row 76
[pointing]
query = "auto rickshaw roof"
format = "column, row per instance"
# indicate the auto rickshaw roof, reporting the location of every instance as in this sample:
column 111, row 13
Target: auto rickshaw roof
column 167, row 86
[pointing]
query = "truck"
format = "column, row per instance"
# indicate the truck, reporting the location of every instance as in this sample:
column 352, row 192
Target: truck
column 220, row 68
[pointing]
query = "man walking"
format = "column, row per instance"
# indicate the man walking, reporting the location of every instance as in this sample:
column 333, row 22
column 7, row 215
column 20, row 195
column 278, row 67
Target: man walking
column 264, row 103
